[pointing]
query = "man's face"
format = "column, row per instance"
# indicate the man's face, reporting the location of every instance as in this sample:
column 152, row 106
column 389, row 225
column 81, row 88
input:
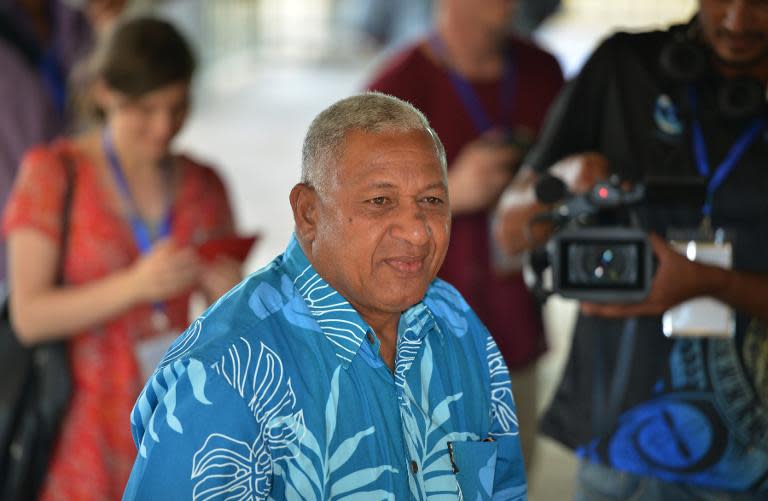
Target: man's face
column 382, row 222
column 492, row 15
column 737, row 30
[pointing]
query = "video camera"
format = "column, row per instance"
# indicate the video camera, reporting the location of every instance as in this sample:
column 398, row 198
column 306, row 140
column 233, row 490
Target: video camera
column 597, row 253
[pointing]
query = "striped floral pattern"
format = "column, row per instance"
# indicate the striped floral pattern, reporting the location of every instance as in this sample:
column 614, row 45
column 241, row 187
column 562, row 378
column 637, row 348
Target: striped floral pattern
column 277, row 394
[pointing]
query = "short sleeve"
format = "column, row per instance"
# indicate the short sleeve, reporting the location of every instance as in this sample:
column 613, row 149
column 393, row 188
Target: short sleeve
column 203, row 209
column 37, row 198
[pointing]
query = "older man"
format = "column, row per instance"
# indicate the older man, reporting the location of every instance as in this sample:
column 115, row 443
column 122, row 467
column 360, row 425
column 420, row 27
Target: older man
column 343, row 370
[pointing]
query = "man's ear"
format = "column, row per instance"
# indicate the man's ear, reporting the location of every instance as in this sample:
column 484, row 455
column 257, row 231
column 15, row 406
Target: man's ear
column 304, row 202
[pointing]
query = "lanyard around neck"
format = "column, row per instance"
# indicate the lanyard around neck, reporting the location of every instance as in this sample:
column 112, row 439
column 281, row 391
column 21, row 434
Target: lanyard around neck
column 470, row 99
column 737, row 150
column 142, row 234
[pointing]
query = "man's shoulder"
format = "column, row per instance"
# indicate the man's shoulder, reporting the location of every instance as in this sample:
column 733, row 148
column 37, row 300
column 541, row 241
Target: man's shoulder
column 450, row 308
column 251, row 312
column 646, row 44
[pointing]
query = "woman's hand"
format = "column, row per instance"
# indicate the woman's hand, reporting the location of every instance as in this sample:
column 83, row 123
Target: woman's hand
column 166, row 271
column 220, row 276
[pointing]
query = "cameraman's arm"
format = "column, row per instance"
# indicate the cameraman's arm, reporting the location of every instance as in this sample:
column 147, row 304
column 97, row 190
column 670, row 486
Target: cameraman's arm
column 678, row 279
column 518, row 205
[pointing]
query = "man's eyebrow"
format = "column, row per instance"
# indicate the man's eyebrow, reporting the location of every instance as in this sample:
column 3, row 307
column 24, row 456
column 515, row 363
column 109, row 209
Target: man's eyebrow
column 381, row 184
column 436, row 185
column 388, row 185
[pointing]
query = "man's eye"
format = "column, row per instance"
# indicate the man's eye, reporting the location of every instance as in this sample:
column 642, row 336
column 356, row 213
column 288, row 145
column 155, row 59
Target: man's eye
column 378, row 201
column 434, row 200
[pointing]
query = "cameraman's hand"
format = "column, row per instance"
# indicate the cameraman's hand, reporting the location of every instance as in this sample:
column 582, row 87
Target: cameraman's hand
column 481, row 171
column 581, row 172
column 515, row 210
column 677, row 279
column 518, row 204
column 166, row 271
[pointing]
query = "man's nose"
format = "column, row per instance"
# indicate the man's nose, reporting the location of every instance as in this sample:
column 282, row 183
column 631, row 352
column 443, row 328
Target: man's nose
column 412, row 225
column 736, row 16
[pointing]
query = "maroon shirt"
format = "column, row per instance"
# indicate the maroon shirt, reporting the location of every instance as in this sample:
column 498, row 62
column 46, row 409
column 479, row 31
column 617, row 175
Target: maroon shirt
column 502, row 302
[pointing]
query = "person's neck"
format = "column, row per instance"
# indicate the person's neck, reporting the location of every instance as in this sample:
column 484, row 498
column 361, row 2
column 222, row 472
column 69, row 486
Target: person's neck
column 133, row 166
column 471, row 50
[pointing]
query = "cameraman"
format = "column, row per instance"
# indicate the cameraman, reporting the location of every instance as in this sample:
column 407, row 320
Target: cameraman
column 653, row 417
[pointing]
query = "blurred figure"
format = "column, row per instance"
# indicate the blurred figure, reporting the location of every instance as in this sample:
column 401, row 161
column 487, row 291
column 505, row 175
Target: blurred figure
column 40, row 43
column 656, row 417
column 136, row 214
column 486, row 93
column 387, row 23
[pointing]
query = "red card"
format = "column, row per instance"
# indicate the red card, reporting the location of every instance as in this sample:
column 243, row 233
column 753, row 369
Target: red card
column 234, row 247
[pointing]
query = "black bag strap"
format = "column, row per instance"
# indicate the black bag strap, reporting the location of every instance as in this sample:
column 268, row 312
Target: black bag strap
column 35, row 388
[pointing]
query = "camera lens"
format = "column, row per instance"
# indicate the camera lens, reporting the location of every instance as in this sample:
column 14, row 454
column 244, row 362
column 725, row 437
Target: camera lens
column 602, row 264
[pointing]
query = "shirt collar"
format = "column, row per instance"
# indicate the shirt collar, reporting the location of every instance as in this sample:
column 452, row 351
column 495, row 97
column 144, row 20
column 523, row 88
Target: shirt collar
column 341, row 324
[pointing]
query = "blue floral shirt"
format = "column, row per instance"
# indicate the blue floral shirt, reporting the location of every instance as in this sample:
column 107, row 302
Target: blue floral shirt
column 278, row 391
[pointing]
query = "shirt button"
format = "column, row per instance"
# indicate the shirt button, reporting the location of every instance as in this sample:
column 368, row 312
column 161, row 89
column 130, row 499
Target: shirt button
column 414, row 467
column 370, row 338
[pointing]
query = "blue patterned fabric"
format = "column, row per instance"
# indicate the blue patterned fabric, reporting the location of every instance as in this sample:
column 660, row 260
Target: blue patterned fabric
column 278, row 391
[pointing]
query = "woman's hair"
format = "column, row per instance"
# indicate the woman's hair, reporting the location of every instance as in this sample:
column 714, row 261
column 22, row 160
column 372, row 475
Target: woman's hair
column 143, row 54
column 140, row 55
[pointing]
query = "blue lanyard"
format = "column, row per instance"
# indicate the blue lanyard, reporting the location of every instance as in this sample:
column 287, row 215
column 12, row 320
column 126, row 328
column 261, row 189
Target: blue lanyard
column 467, row 93
column 744, row 141
column 141, row 232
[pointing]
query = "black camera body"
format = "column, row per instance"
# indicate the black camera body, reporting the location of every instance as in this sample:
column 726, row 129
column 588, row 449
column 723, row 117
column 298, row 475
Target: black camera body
column 597, row 252
column 601, row 264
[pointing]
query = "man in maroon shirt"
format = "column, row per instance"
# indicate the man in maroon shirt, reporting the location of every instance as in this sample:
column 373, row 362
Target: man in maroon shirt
column 486, row 94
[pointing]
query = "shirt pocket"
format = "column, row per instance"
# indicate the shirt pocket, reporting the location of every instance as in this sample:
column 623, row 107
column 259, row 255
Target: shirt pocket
column 474, row 464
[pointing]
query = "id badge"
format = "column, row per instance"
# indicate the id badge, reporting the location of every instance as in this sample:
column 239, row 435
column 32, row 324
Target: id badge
column 701, row 316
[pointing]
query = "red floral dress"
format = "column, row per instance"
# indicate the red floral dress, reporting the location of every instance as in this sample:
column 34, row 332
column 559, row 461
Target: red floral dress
column 95, row 452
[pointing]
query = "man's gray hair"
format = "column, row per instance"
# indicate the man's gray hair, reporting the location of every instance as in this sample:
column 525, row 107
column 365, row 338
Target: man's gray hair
column 371, row 112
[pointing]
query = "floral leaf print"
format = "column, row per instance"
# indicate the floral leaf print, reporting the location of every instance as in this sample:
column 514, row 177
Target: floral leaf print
column 448, row 304
column 429, row 442
column 183, row 344
column 267, row 390
column 224, row 457
column 358, row 479
column 265, row 300
column 502, row 401
column 312, row 472
column 161, row 389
